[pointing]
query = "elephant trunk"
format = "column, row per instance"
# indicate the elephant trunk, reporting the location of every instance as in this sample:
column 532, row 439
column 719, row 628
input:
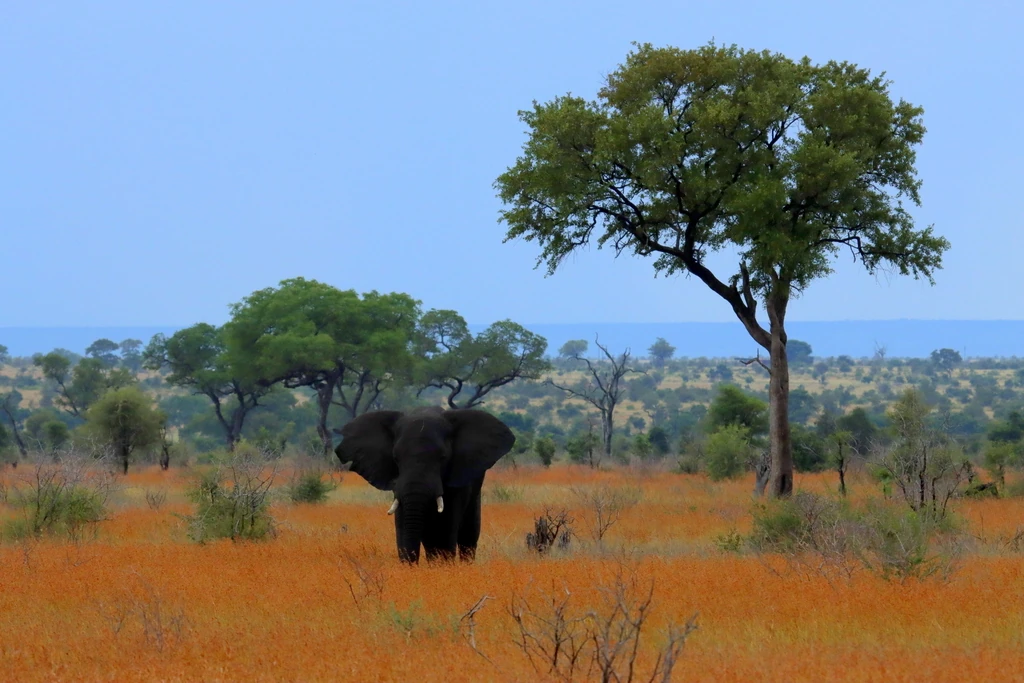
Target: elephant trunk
column 411, row 519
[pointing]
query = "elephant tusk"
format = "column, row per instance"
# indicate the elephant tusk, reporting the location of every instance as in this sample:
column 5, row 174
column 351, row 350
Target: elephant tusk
column 394, row 506
column 440, row 504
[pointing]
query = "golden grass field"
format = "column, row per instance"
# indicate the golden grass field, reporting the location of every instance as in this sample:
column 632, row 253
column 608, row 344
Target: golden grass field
column 140, row 602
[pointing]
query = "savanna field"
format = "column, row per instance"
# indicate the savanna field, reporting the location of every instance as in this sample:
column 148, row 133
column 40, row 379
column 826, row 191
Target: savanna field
column 326, row 598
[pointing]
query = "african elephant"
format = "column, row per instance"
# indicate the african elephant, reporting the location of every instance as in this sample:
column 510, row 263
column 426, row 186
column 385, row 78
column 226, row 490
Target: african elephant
column 435, row 461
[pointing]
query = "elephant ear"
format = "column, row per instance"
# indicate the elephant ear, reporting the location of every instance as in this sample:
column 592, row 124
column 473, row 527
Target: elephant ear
column 368, row 443
column 478, row 441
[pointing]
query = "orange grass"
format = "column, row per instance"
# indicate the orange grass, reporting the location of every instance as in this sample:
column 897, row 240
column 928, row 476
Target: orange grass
column 283, row 609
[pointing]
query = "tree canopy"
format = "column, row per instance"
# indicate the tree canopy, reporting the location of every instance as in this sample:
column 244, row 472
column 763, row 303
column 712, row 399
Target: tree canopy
column 686, row 153
column 456, row 361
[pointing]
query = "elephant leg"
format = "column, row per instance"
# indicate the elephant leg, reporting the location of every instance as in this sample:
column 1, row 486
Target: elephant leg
column 469, row 529
column 439, row 539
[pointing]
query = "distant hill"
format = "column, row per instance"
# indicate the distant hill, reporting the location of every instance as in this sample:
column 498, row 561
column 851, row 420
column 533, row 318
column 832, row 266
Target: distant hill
column 857, row 338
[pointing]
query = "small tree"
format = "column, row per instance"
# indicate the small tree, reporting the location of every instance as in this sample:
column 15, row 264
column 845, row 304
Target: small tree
column 582, row 447
column 733, row 407
column 841, row 454
column 661, row 352
column 544, row 447
column 945, row 360
column 80, row 384
column 198, row 359
column 659, row 441
column 799, row 352
column 105, row 351
column 998, row 456
column 641, row 446
column 603, row 389
column 14, row 414
column 727, row 452
column 126, row 419
column 924, row 464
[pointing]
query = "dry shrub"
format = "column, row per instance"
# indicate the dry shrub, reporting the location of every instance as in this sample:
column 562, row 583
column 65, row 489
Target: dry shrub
column 602, row 642
column 65, row 497
column 144, row 609
column 233, row 499
column 604, row 506
column 155, row 498
column 830, row 537
column 554, row 526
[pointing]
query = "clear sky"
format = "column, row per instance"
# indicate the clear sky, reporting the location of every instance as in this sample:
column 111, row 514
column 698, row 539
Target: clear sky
column 159, row 161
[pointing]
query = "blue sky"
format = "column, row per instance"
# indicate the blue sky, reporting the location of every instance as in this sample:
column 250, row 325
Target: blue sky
column 158, row 162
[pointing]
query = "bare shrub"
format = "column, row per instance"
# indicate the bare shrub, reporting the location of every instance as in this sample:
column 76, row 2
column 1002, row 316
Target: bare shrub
column 924, row 463
column 366, row 573
column 233, row 499
column 828, row 537
column 550, row 528
column 160, row 625
column 602, row 643
column 65, row 496
column 155, row 498
column 605, row 506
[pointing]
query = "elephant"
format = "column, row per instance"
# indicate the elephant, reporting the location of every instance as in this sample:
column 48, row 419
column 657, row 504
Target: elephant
column 435, row 461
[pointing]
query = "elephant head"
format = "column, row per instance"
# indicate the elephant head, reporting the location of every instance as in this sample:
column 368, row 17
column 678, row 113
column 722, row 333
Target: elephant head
column 419, row 455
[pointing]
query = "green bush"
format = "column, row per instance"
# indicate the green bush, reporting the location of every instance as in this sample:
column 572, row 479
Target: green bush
column 233, row 499
column 885, row 538
column 57, row 499
column 544, row 447
column 726, row 452
column 310, row 487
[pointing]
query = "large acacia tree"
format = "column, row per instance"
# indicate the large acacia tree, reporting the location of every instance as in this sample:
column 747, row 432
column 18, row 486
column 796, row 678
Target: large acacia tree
column 198, row 358
column 454, row 360
column 690, row 152
column 305, row 333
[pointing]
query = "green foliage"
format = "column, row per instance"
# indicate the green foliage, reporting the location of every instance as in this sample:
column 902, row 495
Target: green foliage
column 1000, row 455
column 661, row 352
column 105, row 351
column 827, row 534
column 310, row 487
column 574, row 348
column 80, row 384
column 233, row 499
column 1009, row 430
column 861, row 428
column 726, row 452
column 945, row 360
column 810, row 453
column 545, row 448
column 799, row 353
column 127, row 421
column 802, row 405
column 197, row 358
column 641, row 447
column 47, row 429
column 584, row 448
column 57, row 499
column 659, row 441
column 455, row 360
column 731, row 406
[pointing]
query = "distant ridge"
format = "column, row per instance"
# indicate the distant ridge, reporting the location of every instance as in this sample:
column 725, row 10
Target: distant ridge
column 857, row 338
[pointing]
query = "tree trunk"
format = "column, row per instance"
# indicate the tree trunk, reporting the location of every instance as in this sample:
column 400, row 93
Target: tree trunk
column 607, row 426
column 324, row 396
column 778, row 432
column 17, row 437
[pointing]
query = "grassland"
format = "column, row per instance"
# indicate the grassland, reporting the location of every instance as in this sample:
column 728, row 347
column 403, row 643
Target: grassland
column 326, row 598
